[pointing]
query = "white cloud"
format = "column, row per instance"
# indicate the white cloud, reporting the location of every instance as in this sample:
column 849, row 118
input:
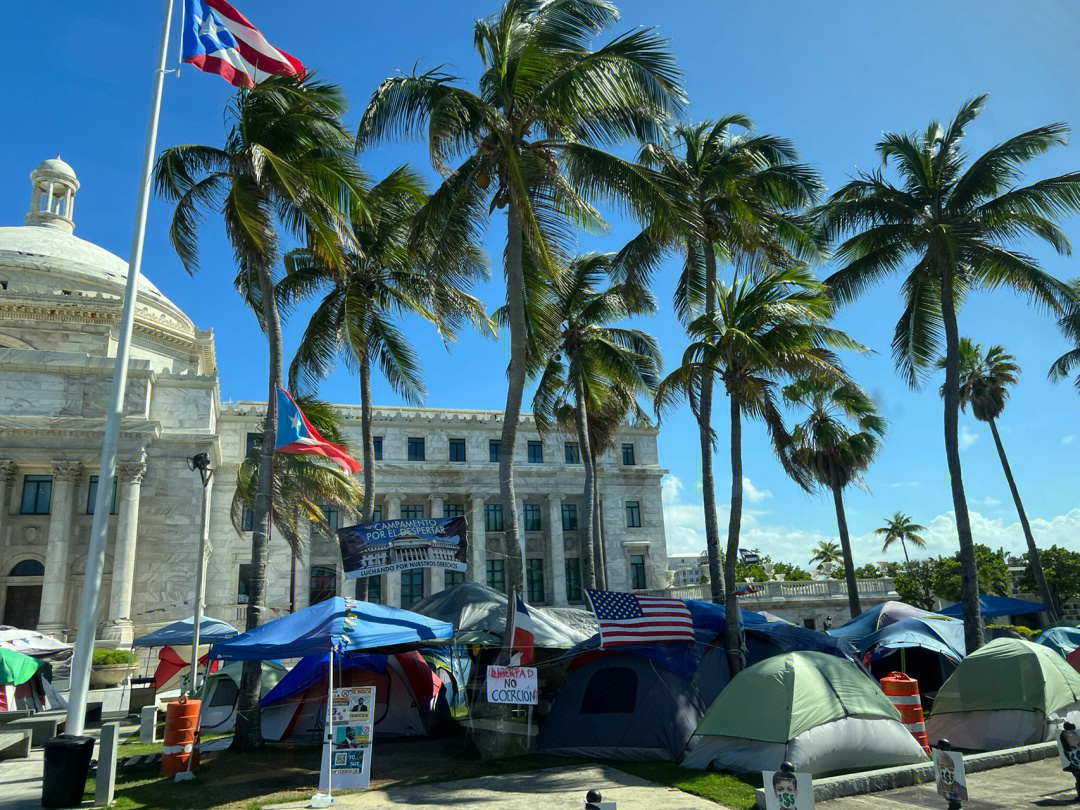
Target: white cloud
column 1068, row 439
column 989, row 500
column 904, row 485
column 968, row 437
column 752, row 493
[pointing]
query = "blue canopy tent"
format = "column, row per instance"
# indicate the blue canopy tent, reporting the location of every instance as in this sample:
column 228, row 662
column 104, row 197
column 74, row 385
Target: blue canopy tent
column 179, row 633
column 991, row 606
column 1061, row 639
column 870, row 621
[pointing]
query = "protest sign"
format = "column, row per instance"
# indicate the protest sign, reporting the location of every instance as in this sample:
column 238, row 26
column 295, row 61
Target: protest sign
column 347, row 751
column 515, row 685
column 370, row 549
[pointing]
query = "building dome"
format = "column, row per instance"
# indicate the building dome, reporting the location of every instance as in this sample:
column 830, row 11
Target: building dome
column 57, row 168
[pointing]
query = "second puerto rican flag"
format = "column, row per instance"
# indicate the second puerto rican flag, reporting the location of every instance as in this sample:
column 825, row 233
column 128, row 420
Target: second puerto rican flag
column 522, row 640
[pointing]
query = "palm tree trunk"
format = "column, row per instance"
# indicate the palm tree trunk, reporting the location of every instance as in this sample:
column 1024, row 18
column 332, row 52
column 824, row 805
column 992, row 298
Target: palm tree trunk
column 599, row 553
column 708, row 491
column 248, row 734
column 515, row 301
column 845, row 546
column 1033, row 551
column 369, row 458
column 903, row 545
column 969, row 572
column 588, row 497
column 731, row 605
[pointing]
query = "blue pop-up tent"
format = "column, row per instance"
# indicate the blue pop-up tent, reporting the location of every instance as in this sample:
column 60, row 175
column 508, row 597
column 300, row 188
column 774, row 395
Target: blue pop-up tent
column 944, row 636
column 179, row 633
column 1061, row 639
column 990, row 606
column 337, row 624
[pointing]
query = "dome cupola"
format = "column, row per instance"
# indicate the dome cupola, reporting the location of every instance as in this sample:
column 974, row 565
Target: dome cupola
column 52, row 195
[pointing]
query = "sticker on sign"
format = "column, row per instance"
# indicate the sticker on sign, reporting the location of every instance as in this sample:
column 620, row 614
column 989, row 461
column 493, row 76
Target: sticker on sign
column 515, row 685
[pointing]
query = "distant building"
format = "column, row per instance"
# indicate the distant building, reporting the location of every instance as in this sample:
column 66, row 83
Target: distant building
column 688, row 569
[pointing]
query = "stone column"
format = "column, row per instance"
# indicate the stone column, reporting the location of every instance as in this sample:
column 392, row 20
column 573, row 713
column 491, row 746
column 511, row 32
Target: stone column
column 54, row 586
column 119, row 626
column 392, row 593
column 435, row 578
column 556, row 552
column 7, row 476
column 478, row 539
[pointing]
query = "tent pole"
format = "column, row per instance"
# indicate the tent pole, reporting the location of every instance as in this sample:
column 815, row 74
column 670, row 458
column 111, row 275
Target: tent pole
column 330, row 726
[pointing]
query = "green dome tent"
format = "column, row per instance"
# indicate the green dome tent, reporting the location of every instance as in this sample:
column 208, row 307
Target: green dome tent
column 1005, row 695
column 818, row 711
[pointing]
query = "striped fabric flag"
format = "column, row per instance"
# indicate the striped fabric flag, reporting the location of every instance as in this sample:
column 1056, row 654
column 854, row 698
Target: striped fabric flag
column 219, row 39
column 296, row 435
column 627, row 618
column 522, row 639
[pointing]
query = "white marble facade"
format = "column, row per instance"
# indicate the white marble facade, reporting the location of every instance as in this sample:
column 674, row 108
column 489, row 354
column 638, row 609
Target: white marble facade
column 60, row 301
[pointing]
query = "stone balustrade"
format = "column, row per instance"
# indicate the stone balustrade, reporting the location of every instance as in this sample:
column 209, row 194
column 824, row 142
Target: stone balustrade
column 805, row 589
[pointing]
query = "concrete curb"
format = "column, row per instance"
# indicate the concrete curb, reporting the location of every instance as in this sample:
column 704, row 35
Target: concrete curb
column 853, row 784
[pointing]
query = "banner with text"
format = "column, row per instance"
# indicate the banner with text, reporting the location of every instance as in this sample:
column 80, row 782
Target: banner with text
column 396, row 545
column 516, row 685
column 347, row 754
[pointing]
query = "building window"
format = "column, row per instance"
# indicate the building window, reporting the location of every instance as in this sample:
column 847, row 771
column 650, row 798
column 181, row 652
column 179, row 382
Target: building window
column 36, row 494
column 494, row 451
column 493, row 517
column 332, row 517
column 247, row 520
column 453, row 510
column 374, row 590
column 495, row 575
column 536, row 453
column 376, row 514
column 531, row 517
column 573, row 579
column 376, row 447
column 633, row 514
column 416, row 449
column 412, row 586
column 244, row 574
column 628, row 455
column 322, row 584
column 809, row 624
column 637, row 572
column 91, row 496
column 569, row 517
column 573, row 453
column 253, row 443
column 457, row 449
column 412, row 511
column 534, row 580
column 453, row 578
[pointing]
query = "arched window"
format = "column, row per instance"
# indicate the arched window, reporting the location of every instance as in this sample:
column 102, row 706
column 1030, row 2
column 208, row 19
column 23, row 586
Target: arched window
column 27, row 568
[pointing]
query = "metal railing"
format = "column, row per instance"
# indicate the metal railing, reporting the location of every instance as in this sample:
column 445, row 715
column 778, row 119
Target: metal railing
column 806, row 589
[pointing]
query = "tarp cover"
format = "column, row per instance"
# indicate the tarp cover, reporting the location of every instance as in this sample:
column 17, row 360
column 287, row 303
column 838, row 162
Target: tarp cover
column 990, row 606
column 339, row 624
column 938, row 634
column 1010, row 673
column 1062, row 640
column 478, row 615
column 33, row 643
column 211, row 631
column 869, row 622
column 783, row 696
column 16, row 668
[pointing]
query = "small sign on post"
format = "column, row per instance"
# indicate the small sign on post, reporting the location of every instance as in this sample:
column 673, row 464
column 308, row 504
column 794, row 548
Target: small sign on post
column 348, row 754
column 787, row 790
column 514, row 685
column 949, row 774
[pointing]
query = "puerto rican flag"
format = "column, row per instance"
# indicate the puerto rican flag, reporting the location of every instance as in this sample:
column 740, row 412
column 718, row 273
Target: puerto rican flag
column 521, row 644
column 219, row 39
column 296, row 435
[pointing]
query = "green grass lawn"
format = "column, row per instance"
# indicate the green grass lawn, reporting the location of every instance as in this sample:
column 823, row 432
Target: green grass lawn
column 732, row 790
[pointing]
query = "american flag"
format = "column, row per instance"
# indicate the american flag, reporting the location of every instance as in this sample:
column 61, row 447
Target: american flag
column 626, row 618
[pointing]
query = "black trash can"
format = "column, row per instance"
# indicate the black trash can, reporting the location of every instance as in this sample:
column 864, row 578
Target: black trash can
column 67, row 762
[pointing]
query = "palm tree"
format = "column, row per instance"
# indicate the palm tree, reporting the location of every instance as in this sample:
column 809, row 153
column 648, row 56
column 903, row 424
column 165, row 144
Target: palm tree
column 286, row 164
column 738, row 197
column 951, row 225
column 826, row 551
column 985, row 377
column 1070, row 326
column 899, row 527
column 384, row 277
column 590, row 357
column 834, row 453
column 766, row 327
column 532, row 139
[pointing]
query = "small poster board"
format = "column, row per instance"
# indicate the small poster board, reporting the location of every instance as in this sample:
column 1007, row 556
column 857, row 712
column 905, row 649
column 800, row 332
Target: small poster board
column 347, row 753
column 1069, row 749
column 514, row 685
column 788, row 791
column 949, row 775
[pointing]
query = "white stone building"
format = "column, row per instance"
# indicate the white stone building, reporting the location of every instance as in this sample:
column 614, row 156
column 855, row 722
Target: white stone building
column 60, row 302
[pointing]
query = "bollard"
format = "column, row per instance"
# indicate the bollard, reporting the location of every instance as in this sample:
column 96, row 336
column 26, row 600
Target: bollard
column 1069, row 743
column 594, row 801
column 954, row 800
column 148, row 723
column 105, row 783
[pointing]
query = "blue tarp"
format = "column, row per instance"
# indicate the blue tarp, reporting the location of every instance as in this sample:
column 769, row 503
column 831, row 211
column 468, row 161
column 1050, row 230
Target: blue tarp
column 211, row 631
column 1062, row 640
column 338, row 623
column 991, row 606
column 868, row 622
column 944, row 636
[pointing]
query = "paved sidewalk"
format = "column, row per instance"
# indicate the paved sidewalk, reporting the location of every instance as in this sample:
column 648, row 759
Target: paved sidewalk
column 1032, row 785
column 552, row 789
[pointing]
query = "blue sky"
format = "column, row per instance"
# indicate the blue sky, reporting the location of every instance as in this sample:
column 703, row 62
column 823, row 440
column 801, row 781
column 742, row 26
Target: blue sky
column 831, row 76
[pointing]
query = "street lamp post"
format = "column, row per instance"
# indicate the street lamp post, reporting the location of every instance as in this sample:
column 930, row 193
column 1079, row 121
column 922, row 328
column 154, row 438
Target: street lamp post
column 200, row 462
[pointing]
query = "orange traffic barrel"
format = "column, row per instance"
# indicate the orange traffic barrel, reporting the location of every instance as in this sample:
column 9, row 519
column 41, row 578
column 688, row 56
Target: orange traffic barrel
column 181, row 736
column 904, row 694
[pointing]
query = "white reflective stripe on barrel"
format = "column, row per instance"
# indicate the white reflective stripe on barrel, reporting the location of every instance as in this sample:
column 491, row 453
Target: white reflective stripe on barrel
column 905, row 700
column 913, row 727
column 176, row 749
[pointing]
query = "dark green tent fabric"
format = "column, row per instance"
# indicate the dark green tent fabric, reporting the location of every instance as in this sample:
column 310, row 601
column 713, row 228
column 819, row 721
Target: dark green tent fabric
column 16, row 668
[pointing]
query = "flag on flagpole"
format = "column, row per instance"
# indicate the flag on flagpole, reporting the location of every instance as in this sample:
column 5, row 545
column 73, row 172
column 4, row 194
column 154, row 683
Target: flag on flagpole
column 521, row 639
column 296, row 435
column 626, row 618
column 219, row 39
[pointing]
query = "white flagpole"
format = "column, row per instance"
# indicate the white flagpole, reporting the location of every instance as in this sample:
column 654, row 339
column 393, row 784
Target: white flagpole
column 86, row 628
